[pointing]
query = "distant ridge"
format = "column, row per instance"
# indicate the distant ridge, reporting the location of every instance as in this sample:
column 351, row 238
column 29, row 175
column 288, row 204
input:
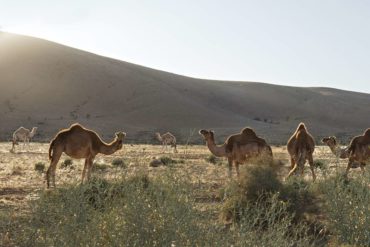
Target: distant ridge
column 49, row 85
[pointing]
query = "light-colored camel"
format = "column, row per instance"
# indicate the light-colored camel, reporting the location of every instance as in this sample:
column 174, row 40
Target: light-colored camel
column 80, row 143
column 339, row 152
column 239, row 153
column 24, row 135
column 359, row 151
column 300, row 147
column 167, row 139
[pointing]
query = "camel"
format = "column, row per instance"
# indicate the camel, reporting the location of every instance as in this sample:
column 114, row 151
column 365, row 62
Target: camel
column 247, row 135
column 300, row 147
column 239, row 153
column 80, row 143
column 24, row 135
column 341, row 153
column 166, row 139
column 359, row 151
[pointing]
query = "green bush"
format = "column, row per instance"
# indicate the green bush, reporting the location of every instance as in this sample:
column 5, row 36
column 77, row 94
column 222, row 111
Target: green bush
column 67, row 163
column 118, row 162
column 167, row 161
column 40, row 167
column 129, row 212
column 252, row 183
column 347, row 207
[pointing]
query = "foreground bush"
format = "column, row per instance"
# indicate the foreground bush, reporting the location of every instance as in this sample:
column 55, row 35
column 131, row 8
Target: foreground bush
column 130, row 212
column 348, row 208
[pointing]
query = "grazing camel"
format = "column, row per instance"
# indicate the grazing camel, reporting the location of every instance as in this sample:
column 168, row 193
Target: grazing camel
column 239, row 153
column 341, row 153
column 300, row 147
column 24, row 135
column 166, row 139
column 359, row 151
column 80, row 143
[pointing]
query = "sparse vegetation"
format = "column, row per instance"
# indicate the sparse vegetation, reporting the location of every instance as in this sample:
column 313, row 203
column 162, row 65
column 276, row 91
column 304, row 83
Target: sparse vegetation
column 193, row 205
column 40, row 167
column 119, row 162
column 67, row 163
column 97, row 166
column 212, row 159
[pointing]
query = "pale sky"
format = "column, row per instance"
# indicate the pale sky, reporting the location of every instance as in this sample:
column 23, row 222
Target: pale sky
column 299, row 43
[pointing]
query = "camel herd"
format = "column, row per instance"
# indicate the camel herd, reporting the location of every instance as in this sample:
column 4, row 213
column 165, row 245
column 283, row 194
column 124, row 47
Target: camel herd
column 81, row 143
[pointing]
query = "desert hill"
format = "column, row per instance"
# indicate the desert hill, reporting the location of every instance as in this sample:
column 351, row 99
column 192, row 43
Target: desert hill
column 49, row 85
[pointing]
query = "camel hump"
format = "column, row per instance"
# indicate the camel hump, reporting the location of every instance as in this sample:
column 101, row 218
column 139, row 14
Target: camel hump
column 367, row 133
column 248, row 132
column 301, row 126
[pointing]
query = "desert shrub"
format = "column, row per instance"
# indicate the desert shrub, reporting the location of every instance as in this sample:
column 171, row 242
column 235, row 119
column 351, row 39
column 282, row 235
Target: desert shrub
column 320, row 164
column 268, row 222
column 118, row 162
column 136, row 211
column 40, row 167
column 67, row 163
column 347, row 208
column 256, row 181
column 212, row 159
column 167, row 161
column 100, row 166
column 252, row 183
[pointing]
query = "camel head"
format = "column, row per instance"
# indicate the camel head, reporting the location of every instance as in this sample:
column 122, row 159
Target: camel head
column 33, row 131
column 207, row 134
column 330, row 141
column 119, row 139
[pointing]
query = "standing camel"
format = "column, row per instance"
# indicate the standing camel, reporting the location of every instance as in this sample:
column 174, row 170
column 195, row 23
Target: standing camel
column 24, row 135
column 341, row 153
column 80, row 143
column 300, row 147
column 238, row 153
column 359, row 151
column 166, row 139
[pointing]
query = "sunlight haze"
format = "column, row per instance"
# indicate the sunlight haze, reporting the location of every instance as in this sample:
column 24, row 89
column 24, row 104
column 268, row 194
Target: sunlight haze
column 296, row 43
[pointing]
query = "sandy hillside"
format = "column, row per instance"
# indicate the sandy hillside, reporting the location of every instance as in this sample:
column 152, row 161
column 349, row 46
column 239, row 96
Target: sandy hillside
column 49, row 85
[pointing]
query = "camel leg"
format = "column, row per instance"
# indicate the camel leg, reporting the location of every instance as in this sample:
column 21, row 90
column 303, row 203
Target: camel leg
column 237, row 168
column 84, row 171
column 292, row 163
column 362, row 166
column 310, row 161
column 51, row 170
column 230, row 166
column 89, row 166
column 293, row 169
column 349, row 165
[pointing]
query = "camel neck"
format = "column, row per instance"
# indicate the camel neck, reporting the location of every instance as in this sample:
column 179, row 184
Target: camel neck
column 107, row 149
column 218, row 151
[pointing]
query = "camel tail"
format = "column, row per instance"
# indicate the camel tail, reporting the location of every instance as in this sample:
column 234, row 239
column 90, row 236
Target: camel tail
column 51, row 149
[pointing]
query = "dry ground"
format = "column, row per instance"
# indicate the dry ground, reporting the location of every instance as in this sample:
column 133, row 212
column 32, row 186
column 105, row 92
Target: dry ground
column 19, row 182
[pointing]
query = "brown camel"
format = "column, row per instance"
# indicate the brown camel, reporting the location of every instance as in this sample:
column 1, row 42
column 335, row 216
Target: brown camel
column 247, row 135
column 359, row 151
column 300, row 147
column 80, row 143
column 239, row 153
